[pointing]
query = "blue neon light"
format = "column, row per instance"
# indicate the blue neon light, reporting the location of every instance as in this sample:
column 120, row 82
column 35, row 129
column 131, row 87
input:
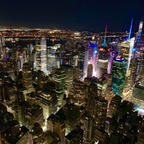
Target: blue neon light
column 134, row 49
column 92, row 45
column 126, row 38
column 120, row 59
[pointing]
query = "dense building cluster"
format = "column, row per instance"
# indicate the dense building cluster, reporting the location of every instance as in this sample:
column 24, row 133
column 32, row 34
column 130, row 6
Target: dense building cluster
column 67, row 87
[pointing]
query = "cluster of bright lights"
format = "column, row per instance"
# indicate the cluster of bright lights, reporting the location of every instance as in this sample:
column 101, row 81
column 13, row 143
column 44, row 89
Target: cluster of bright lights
column 103, row 50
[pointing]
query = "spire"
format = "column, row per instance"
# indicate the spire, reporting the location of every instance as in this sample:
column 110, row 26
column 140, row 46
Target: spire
column 130, row 30
column 104, row 43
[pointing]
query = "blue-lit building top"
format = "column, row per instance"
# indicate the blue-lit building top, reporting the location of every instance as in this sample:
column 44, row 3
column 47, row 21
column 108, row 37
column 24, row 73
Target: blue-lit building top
column 93, row 49
column 92, row 45
column 119, row 59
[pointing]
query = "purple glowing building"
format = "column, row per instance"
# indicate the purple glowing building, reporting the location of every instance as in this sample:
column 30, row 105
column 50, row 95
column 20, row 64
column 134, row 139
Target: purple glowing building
column 91, row 55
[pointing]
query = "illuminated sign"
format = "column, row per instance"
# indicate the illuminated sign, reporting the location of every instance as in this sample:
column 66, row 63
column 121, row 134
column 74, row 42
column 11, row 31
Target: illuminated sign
column 101, row 49
column 119, row 59
column 92, row 45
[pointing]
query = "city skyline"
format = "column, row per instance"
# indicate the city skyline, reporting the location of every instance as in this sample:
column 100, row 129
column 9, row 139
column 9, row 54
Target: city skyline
column 63, row 80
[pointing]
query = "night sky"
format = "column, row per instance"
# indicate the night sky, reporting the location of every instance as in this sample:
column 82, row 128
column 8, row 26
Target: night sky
column 91, row 15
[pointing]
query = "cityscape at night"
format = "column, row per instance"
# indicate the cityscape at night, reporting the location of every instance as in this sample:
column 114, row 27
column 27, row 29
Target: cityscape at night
column 72, row 72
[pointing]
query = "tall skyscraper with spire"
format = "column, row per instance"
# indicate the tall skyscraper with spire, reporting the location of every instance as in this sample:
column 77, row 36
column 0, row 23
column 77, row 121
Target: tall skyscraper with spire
column 98, row 58
column 103, row 58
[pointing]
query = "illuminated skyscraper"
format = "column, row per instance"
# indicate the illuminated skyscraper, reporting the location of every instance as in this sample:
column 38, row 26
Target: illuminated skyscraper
column 127, row 51
column 31, row 48
column 104, row 62
column 43, row 56
column 90, row 58
column 90, row 71
column 53, row 59
column 75, row 58
column 136, row 49
column 35, row 62
column 118, row 74
column 140, row 30
column 110, row 61
column 21, row 62
column 131, row 46
column 139, row 51
column 85, row 64
column 126, row 47
column 27, row 76
column 100, row 58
